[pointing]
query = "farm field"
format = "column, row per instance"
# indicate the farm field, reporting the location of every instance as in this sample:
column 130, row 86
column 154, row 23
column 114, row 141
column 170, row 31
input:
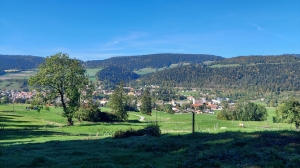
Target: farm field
column 25, row 75
column 151, row 70
column 41, row 139
column 17, row 75
column 10, row 85
column 92, row 73
column 147, row 70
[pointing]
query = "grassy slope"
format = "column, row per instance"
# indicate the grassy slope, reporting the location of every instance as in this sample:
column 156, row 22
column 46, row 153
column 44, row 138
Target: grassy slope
column 151, row 70
column 92, row 73
column 26, row 74
column 89, row 145
column 21, row 75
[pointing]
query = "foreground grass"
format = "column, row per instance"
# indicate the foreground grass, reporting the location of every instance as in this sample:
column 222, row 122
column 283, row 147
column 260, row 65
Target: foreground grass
column 32, row 139
column 227, row 149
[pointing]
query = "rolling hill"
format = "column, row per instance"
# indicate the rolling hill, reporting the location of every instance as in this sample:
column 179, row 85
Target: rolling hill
column 20, row 62
column 151, row 61
column 277, row 74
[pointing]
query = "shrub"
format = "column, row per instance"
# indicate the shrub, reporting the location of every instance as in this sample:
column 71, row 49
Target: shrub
column 150, row 130
column 95, row 115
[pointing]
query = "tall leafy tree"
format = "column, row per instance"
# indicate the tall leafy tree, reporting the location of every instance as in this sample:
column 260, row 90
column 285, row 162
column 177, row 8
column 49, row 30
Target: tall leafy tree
column 65, row 78
column 168, row 109
column 244, row 111
column 288, row 112
column 146, row 103
column 117, row 103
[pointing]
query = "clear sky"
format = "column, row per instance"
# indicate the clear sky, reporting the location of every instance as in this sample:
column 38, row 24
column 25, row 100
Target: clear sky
column 99, row 29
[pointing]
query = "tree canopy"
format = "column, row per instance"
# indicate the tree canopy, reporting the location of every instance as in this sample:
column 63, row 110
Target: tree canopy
column 63, row 77
column 146, row 103
column 117, row 103
column 288, row 112
column 244, row 111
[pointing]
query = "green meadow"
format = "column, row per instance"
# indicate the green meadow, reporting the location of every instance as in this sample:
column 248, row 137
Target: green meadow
column 151, row 70
column 18, row 75
column 25, row 75
column 41, row 139
column 92, row 73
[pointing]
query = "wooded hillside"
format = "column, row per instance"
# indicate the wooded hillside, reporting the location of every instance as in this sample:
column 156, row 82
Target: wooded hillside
column 263, row 77
column 151, row 61
column 115, row 75
column 259, row 59
column 20, row 62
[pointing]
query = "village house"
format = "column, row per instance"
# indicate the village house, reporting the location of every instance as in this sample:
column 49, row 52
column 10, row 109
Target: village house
column 103, row 102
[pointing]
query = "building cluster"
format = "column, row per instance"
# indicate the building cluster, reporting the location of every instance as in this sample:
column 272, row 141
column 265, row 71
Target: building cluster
column 196, row 105
column 13, row 94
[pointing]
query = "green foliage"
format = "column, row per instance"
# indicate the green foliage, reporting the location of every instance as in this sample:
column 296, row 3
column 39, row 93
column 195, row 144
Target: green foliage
column 4, row 100
column 65, row 78
column 244, row 111
column 38, row 101
column 117, row 103
column 153, row 60
column 168, row 109
column 289, row 112
column 116, row 75
column 146, row 108
column 21, row 62
column 258, row 79
column 150, row 130
column 131, row 103
column 258, row 59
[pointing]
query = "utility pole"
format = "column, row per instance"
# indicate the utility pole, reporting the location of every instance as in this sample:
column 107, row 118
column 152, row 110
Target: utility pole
column 156, row 117
column 13, row 101
column 193, row 123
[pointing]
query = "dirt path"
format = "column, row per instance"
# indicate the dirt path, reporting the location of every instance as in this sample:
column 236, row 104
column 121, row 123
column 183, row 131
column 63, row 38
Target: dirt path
column 141, row 117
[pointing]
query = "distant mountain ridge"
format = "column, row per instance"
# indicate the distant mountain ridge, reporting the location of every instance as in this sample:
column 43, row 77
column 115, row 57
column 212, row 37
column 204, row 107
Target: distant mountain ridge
column 260, row 77
column 20, row 62
column 131, row 63
column 258, row 59
column 151, row 60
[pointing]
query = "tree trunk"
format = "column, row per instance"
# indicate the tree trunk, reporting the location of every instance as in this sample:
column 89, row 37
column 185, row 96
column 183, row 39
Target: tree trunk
column 70, row 121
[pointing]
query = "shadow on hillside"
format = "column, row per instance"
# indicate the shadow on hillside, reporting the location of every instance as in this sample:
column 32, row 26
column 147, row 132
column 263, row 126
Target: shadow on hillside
column 9, row 114
column 8, row 120
column 226, row 149
column 22, row 134
column 21, row 130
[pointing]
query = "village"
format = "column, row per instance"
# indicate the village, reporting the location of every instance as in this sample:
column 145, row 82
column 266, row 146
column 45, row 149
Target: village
column 198, row 105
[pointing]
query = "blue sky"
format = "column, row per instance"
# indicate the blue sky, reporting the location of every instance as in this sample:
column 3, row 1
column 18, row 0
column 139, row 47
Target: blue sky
column 98, row 29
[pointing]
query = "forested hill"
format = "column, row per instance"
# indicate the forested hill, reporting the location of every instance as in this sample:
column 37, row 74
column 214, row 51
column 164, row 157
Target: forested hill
column 115, row 75
column 260, row 77
column 258, row 59
column 19, row 62
column 151, row 61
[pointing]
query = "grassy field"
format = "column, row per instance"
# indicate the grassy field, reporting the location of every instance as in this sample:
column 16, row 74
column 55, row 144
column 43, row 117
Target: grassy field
column 26, row 74
column 18, row 75
column 40, row 139
column 10, row 85
column 92, row 73
column 151, row 70
column 148, row 70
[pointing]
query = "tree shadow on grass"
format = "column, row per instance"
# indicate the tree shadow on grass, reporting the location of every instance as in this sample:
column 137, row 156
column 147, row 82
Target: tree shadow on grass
column 8, row 120
column 226, row 149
